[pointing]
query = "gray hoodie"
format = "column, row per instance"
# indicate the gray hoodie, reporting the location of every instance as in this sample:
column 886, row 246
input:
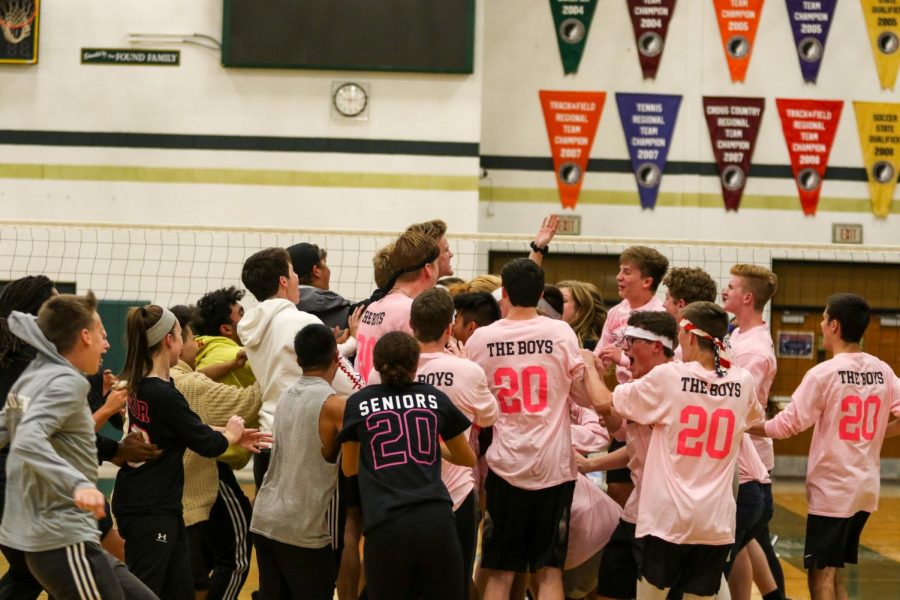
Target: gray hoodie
column 49, row 425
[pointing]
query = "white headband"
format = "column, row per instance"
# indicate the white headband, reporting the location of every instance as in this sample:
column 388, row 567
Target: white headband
column 159, row 330
column 643, row 334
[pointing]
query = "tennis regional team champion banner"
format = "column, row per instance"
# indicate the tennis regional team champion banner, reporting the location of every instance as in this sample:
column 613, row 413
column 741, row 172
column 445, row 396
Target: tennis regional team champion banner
column 738, row 22
column 650, row 21
column 733, row 125
column 648, row 121
column 810, row 23
column 809, row 127
column 571, row 119
column 879, row 136
column 572, row 19
column 883, row 25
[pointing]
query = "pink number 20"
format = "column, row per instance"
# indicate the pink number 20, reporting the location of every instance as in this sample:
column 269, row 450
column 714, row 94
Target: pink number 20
column 690, row 439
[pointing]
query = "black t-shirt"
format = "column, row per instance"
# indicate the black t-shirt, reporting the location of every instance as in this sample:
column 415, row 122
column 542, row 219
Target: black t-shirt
column 399, row 451
column 161, row 413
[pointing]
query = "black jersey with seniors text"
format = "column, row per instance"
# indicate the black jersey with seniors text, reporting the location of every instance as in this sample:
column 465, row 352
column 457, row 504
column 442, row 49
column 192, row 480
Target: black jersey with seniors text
column 398, row 431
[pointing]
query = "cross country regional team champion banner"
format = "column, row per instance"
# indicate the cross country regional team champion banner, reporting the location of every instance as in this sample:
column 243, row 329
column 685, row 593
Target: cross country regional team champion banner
column 738, row 22
column 733, row 125
column 650, row 21
column 810, row 23
column 648, row 121
column 572, row 19
column 809, row 127
column 879, row 136
column 571, row 119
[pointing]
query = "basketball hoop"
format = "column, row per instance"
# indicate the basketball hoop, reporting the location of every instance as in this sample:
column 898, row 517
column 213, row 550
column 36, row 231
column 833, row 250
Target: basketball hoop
column 16, row 17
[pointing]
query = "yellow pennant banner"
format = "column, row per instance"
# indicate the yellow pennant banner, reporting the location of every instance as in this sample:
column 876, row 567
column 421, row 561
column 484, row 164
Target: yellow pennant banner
column 883, row 24
column 879, row 136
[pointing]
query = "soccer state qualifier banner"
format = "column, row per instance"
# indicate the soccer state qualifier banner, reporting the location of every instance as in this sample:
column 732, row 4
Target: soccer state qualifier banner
column 809, row 127
column 733, row 126
column 883, row 25
column 879, row 136
column 572, row 19
column 650, row 21
column 648, row 121
column 810, row 24
column 738, row 22
column 571, row 119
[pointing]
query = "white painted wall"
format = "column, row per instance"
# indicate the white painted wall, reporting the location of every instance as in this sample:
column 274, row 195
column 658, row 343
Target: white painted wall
column 521, row 58
column 202, row 97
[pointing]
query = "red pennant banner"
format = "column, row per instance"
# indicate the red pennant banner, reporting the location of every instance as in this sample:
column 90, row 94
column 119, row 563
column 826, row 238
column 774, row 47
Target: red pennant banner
column 809, row 127
column 738, row 22
column 571, row 119
column 733, row 125
column 650, row 21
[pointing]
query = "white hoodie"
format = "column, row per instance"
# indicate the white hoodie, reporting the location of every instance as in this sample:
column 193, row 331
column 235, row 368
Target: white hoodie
column 267, row 332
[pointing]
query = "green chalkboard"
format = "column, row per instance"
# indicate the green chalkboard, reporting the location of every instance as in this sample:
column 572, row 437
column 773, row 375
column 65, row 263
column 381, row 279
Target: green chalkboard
column 387, row 35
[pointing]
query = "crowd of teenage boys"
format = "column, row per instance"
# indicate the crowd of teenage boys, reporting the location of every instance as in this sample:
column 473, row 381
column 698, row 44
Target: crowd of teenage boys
column 390, row 435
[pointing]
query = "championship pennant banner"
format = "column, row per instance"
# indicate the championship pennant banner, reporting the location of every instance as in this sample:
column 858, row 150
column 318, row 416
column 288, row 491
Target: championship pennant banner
column 571, row 119
column 738, row 22
column 572, row 19
column 879, row 136
column 809, row 127
column 883, row 25
column 650, row 21
column 648, row 121
column 810, row 23
column 733, row 125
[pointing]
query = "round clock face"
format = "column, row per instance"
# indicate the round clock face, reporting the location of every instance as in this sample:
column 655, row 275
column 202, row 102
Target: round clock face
column 350, row 100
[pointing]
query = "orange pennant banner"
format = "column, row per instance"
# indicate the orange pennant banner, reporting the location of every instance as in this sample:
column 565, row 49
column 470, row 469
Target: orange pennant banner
column 738, row 22
column 571, row 119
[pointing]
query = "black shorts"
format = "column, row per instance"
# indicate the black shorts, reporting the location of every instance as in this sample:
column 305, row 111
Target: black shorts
column 832, row 541
column 690, row 568
column 525, row 530
column 618, row 573
column 754, row 509
column 618, row 475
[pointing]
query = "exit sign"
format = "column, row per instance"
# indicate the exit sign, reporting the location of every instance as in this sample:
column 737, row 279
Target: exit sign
column 569, row 225
column 846, row 233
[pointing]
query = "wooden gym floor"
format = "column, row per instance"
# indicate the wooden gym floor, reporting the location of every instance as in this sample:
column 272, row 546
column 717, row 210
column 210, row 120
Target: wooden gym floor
column 877, row 577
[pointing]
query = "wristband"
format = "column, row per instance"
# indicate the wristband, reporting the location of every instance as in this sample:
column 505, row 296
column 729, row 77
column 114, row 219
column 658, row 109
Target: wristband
column 544, row 250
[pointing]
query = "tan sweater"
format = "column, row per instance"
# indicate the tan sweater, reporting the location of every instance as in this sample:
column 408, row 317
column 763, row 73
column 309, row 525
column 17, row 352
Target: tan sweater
column 214, row 402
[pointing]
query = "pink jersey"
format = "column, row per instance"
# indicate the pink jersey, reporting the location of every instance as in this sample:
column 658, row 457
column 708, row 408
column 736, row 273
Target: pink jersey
column 753, row 350
column 848, row 399
column 593, row 519
column 391, row 313
column 698, row 420
column 588, row 433
column 614, row 328
column 750, row 465
column 466, row 385
column 637, row 442
column 531, row 365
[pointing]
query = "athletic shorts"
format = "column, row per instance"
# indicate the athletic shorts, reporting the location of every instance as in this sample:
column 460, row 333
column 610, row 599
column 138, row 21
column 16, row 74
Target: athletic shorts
column 832, row 541
column 754, row 509
column 525, row 530
column 618, row 573
column 618, row 475
column 690, row 568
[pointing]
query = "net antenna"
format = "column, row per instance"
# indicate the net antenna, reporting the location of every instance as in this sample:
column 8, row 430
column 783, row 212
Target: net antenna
column 16, row 17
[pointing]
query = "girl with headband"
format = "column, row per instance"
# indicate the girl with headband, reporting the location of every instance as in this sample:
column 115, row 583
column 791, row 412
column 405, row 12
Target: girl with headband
column 147, row 498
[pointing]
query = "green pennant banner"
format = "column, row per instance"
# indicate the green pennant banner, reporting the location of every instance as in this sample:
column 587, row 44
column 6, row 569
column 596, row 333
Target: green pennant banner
column 572, row 19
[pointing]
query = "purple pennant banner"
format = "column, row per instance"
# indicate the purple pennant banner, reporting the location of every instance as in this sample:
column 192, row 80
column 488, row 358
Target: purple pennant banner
column 648, row 121
column 810, row 22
